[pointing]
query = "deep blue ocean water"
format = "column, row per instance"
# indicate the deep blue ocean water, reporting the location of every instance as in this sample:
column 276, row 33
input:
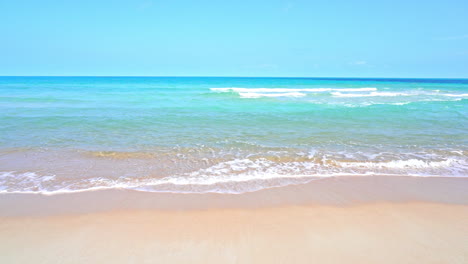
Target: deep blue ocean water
column 207, row 134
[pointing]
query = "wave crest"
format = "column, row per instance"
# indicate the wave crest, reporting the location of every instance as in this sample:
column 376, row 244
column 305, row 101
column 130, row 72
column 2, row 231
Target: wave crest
column 258, row 95
column 372, row 94
column 289, row 90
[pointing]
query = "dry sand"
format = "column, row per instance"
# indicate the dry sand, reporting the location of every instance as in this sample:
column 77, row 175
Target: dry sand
column 338, row 220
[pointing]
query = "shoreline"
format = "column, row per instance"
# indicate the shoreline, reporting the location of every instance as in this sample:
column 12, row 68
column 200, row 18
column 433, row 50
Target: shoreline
column 336, row 191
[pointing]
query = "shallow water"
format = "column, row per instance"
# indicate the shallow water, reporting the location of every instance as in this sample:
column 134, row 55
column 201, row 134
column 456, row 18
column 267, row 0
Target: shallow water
column 187, row 134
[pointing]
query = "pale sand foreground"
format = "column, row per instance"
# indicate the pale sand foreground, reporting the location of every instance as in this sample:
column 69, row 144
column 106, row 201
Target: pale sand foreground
column 360, row 220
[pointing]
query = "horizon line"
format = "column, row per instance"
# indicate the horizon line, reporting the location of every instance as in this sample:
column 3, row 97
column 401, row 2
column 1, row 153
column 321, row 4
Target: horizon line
column 201, row 76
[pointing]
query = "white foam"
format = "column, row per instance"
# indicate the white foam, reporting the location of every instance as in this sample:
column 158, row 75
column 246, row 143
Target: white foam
column 246, row 175
column 258, row 95
column 364, row 92
column 236, row 176
column 372, row 94
column 289, row 90
column 28, row 181
column 403, row 164
column 455, row 95
column 400, row 103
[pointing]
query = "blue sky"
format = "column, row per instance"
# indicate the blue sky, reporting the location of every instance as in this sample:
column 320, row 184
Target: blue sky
column 331, row 38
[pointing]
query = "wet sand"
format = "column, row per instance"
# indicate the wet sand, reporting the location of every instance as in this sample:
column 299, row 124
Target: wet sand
column 336, row 220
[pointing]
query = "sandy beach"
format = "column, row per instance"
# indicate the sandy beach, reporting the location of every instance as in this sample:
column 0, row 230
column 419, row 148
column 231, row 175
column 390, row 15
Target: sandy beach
column 234, row 132
column 335, row 220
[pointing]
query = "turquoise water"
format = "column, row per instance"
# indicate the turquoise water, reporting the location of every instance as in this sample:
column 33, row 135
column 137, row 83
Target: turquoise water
column 225, row 134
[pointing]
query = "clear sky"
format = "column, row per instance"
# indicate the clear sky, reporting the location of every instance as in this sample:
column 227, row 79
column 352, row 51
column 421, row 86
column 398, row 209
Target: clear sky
column 355, row 38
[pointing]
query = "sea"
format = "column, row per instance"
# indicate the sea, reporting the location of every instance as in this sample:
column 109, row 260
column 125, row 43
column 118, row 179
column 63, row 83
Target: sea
column 225, row 134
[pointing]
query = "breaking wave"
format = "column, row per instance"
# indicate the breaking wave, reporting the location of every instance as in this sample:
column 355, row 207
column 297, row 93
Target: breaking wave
column 330, row 95
column 372, row 94
column 289, row 90
column 258, row 95
column 235, row 176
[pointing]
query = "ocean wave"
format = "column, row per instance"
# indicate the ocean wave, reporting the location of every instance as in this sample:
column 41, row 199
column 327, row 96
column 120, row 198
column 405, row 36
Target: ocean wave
column 235, row 176
column 333, row 95
column 230, row 184
column 258, row 95
column 404, row 164
column 290, row 90
column 372, row 94
column 394, row 94
column 380, row 103
column 455, row 95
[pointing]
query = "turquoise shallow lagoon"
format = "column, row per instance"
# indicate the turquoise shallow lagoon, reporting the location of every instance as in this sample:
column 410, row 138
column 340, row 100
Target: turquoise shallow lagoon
column 206, row 134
